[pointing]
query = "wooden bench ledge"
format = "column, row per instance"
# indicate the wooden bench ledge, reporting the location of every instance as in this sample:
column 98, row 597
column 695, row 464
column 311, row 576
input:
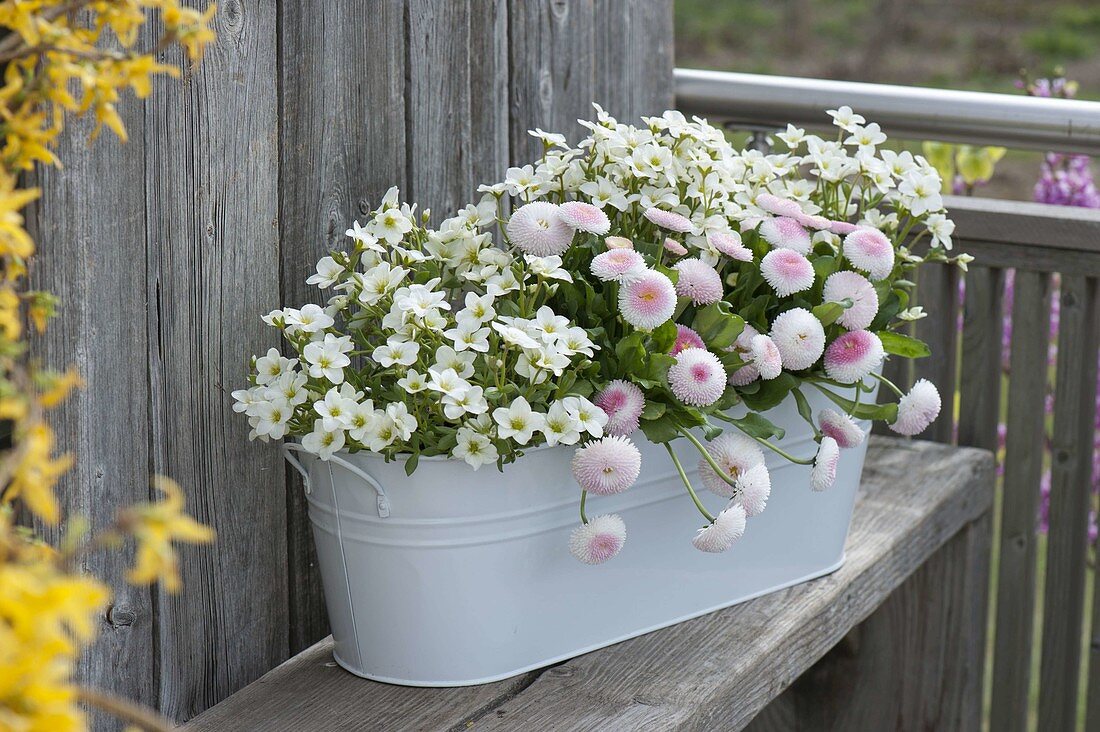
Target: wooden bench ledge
column 714, row 672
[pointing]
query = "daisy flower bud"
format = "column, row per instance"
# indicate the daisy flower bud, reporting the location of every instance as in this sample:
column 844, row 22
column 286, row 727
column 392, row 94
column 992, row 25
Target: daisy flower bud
column 853, row 356
column 537, row 228
column 698, row 281
column 787, row 271
column 617, row 265
column 853, row 286
column 784, row 232
column 729, row 243
column 917, row 409
column 719, row 536
column 669, row 220
column 823, row 473
column 870, row 251
column 735, row 454
column 623, row 403
column 585, row 217
column 840, row 427
column 697, row 378
column 598, row 540
column 647, row 300
column 766, row 357
column 800, row 338
column 686, row 338
column 674, row 247
column 607, row 466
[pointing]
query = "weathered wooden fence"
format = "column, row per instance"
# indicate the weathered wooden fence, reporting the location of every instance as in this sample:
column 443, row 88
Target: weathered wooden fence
column 166, row 251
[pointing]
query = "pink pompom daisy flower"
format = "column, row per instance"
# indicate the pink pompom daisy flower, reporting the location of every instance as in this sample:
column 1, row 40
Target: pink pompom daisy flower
column 674, row 247
column 813, row 221
column 647, row 300
column 607, row 466
column 753, row 489
column 697, row 378
column 917, row 409
column 669, row 220
column 743, row 346
column 729, row 244
column 598, row 540
column 623, row 403
column 787, row 271
column 800, row 338
column 617, row 265
column 735, row 454
column 853, row 286
column 840, row 427
column 778, row 206
column 842, row 228
column 870, row 251
column 728, row 527
column 823, row 473
column 766, row 357
column 618, row 242
column 538, row 229
column 784, row 232
column 853, row 356
column 585, row 217
column 686, row 338
column 698, row 281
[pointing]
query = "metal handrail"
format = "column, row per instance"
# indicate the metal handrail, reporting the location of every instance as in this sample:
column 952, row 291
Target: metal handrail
column 760, row 102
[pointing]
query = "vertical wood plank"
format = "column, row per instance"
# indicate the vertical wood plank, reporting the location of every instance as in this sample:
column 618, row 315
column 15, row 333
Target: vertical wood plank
column 342, row 114
column 213, row 265
column 1023, row 469
column 1070, row 496
column 938, row 292
column 980, row 374
column 90, row 229
column 553, row 70
column 634, row 59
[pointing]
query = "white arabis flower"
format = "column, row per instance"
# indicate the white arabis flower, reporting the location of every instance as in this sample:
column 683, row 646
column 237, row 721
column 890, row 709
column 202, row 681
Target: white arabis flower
column 589, row 417
column 479, row 309
column 323, row 443
column 548, row 268
column 560, row 426
column 845, row 118
column 272, row 418
column 334, row 410
column 941, row 229
column 448, row 358
column 328, row 273
column 310, row 319
column 468, row 336
column 515, row 336
column 471, row 401
column 475, row 448
column 447, row 382
column 518, row 421
column 328, row 358
column 395, row 351
column 270, row 367
column 413, row 382
column 390, row 225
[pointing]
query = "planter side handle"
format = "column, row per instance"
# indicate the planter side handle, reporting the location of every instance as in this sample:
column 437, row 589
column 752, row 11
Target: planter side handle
column 383, row 501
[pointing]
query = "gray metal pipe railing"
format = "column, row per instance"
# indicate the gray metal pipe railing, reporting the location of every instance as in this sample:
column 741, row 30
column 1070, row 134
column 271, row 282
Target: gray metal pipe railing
column 759, row 102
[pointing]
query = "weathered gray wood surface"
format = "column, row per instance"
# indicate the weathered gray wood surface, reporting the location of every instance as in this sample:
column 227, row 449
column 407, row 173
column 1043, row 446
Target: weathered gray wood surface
column 715, row 672
column 938, row 292
column 983, row 327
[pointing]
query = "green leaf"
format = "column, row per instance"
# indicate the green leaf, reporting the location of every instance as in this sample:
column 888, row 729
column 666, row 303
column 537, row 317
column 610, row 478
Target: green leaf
column 711, row 431
column 718, row 325
column 631, row 352
column 660, row 430
column 902, row 345
column 804, row 409
column 771, row 392
column 663, row 337
column 653, row 410
column 754, row 425
column 828, row 312
column 657, row 366
column 411, row 463
column 878, row 412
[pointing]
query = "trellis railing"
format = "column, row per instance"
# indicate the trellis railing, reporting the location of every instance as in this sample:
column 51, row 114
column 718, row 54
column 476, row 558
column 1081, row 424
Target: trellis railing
column 1047, row 252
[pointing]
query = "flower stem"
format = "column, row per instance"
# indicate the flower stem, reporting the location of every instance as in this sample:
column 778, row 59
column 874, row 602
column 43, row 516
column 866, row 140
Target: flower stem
column 687, row 484
column 889, row 383
column 707, row 456
column 584, row 496
column 774, row 448
column 139, row 716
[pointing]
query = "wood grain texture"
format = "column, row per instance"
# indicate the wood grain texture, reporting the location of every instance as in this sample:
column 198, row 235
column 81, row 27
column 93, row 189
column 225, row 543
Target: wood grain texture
column 1070, row 499
column 938, row 292
column 922, row 649
column 1023, row 468
column 342, row 90
column 91, row 246
column 979, row 384
column 715, row 672
column 211, row 186
column 633, row 74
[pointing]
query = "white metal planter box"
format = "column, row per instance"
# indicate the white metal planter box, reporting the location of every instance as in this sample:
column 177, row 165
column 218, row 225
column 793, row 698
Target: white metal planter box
column 466, row 577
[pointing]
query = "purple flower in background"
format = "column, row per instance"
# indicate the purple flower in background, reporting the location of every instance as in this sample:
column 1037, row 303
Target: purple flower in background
column 1064, row 180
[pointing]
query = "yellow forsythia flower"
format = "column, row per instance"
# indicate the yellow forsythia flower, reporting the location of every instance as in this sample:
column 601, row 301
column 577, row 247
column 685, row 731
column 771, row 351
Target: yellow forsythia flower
column 155, row 526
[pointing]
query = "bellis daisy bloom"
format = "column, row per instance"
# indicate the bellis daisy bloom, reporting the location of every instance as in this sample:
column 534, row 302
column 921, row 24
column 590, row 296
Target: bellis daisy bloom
column 853, row 286
column 719, row 536
column 917, row 409
column 537, row 228
column 729, row 243
column 766, row 357
column 584, row 217
column 697, row 378
column 743, row 345
column 669, row 220
column 698, row 281
column 870, row 251
column 598, row 540
column 753, row 489
column 840, row 427
column 853, row 356
column 800, row 338
column 647, row 300
column 735, row 454
column 778, row 206
column 607, row 466
column 842, row 228
column 784, row 232
column 617, row 265
column 787, row 271
column 674, row 247
column 813, row 221
column 823, row 473
column 618, row 242
column 623, row 403
column 686, row 338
